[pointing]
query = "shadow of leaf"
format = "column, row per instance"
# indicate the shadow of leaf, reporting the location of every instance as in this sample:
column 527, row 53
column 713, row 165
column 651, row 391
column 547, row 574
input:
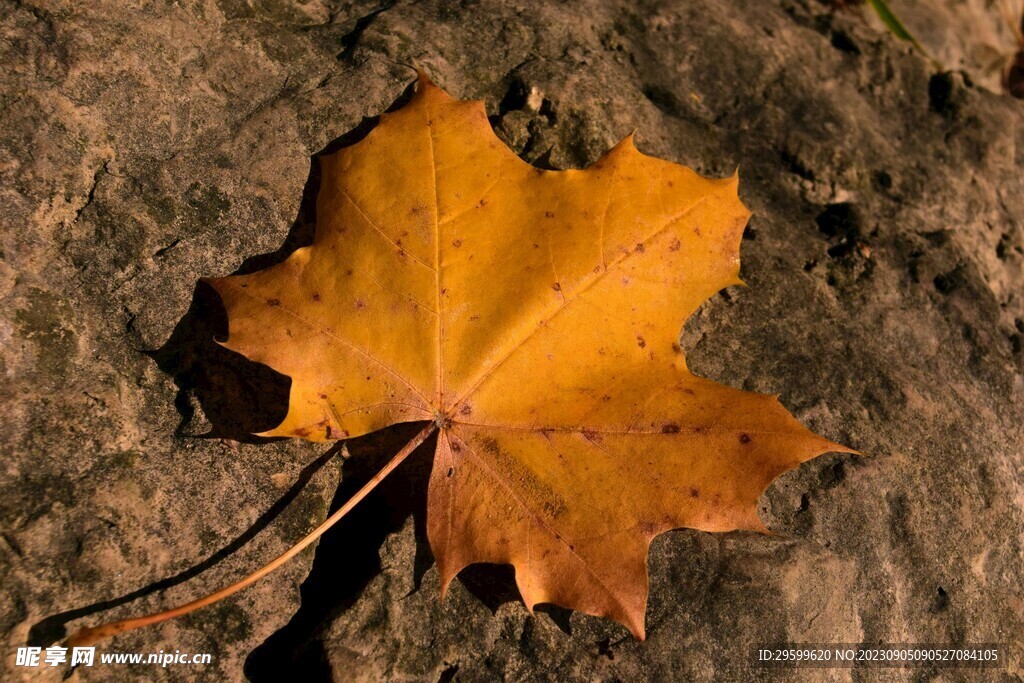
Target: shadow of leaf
column 52, row 629
column 347, row 557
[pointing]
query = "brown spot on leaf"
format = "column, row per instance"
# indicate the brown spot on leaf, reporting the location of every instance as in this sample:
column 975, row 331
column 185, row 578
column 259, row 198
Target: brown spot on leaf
column 557, row 287
column 466, row 409
column 273, row 302
column 744, row 437
column 640, row 248
column 301, row 431
column 670, row 428
column 675, row 244
column 456, row 448
column 323, row 396
column 549, row 214
column 360, row 303
column 640, row 342
column 316, row 296
column 456, row 243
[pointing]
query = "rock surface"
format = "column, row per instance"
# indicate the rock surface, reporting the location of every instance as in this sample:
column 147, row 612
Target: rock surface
column 143, row 149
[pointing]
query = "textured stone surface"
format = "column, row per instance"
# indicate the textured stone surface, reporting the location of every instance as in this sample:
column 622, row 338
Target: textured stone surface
column 142, row 149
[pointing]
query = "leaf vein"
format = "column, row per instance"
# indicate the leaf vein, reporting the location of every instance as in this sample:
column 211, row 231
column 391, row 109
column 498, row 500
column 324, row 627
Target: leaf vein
column 566, row 302
column 330, row 335
column 558, row 537
column 381, row 232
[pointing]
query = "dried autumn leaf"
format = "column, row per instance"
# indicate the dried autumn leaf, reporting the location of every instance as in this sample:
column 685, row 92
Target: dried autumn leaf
column 533, row 316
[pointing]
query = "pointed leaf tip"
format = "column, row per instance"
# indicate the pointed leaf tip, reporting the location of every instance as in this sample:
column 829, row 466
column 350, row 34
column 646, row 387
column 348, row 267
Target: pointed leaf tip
column 637, row 629
column 422, row 78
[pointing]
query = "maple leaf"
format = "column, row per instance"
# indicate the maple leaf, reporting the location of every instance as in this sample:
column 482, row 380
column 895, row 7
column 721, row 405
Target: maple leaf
column 531, row 317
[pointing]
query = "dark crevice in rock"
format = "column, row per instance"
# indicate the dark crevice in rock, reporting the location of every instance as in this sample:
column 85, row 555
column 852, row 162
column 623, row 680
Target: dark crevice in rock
column 839, row 220
column 163, row 250
column 350, row 40
column 664, row 100
column 842, row 41
column 842, row 223
column 91, row 194
column 833, row 475
column 805, row 503
column 12, row 544
column 795, row 165
column 948, row 93
column 516, row 96
column 949, row 282
column 448, row 674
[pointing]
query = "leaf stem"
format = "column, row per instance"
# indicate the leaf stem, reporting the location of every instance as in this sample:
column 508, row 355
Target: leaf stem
column 95, row 634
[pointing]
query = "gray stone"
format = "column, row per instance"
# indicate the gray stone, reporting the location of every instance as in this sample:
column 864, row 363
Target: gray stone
column 143, row 149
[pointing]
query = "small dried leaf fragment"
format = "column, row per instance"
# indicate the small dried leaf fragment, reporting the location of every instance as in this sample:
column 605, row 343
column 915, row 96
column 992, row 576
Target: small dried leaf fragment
column 533, row 315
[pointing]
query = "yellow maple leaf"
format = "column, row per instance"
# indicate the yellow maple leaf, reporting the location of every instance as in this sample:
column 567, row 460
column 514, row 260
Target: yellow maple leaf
column 531, row 317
